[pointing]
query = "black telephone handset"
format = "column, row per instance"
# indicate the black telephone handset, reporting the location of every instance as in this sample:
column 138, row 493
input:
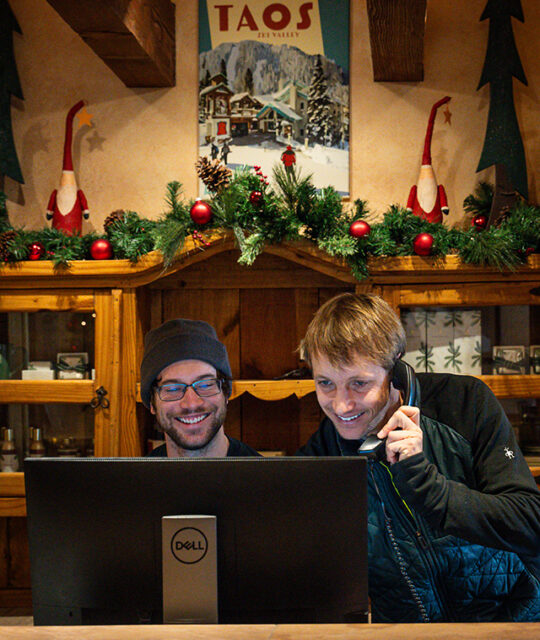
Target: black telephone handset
column 404, row 379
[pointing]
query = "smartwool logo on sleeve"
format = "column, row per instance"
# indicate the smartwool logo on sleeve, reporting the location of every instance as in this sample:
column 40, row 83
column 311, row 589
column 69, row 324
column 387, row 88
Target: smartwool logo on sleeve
column 189, row 545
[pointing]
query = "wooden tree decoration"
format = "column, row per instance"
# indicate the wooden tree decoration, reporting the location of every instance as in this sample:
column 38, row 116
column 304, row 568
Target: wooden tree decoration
column 9, row 85
column 503, row 146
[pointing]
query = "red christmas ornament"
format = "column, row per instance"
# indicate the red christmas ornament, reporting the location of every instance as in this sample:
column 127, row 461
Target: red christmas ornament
column 359, row 229
column 35, row 251
column 479, row 221
column 201, row 212
column 101, row 249
column 423, row 243
column 256, row 197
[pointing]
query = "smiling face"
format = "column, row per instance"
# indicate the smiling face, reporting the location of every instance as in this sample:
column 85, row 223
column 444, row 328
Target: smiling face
column 192, row 425
column 357, row 397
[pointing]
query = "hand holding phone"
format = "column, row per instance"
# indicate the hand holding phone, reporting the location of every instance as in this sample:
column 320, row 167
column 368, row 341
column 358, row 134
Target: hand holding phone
column 404, row 379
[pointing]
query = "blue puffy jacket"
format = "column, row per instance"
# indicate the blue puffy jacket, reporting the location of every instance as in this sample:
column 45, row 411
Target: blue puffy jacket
column 454, row 532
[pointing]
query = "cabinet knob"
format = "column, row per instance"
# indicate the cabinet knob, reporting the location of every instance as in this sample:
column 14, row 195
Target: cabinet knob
column 99, row 400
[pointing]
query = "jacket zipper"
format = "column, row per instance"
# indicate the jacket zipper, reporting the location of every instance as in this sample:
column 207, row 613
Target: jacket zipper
column 426, row 549
column 401, row 563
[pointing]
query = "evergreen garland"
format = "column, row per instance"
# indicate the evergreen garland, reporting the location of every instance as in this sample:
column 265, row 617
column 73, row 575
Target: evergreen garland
column 291, row 210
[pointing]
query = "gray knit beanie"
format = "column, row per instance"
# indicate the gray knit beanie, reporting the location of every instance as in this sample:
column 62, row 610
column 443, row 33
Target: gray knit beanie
column 176, row 340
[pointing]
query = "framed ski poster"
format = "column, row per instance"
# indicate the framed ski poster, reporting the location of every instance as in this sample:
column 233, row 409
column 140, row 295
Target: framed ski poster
column 274, row 86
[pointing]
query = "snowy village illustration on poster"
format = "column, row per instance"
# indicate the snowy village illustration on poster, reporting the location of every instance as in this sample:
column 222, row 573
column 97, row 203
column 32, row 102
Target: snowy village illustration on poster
column 274, row 86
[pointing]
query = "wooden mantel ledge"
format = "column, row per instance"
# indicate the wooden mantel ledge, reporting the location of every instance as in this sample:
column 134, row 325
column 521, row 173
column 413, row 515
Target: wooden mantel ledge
column 150, row 267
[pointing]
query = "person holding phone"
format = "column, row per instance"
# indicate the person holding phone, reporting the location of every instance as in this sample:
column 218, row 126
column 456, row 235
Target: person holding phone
column 454, row 512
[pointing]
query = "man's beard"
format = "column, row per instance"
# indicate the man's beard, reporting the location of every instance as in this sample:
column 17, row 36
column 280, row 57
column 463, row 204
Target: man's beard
column 188, row 443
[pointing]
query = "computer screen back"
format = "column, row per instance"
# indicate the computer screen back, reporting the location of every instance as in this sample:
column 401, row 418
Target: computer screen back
column 291, row 536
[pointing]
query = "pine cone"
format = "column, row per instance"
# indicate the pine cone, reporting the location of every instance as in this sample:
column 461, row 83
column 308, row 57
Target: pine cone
column 5, row 239
column 112, row 218
column 214, row 174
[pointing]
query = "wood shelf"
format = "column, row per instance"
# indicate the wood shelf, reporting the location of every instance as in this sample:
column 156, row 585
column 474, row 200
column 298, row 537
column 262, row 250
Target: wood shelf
column 42, row 274
column 272, row 389
column 46, row 391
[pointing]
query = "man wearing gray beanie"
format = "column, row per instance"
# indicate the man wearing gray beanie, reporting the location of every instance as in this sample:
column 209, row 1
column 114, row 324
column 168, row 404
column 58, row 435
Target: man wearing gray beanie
column 186, row 383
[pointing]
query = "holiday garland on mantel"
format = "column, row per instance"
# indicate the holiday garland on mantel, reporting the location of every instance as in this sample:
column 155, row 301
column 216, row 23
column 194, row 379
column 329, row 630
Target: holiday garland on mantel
column 260, row 214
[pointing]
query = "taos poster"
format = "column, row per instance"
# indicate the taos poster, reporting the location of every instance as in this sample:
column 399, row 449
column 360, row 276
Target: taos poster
column 274, row 86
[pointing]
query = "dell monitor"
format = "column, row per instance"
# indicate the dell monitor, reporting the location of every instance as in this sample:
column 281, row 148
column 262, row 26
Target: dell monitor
column 291, row 537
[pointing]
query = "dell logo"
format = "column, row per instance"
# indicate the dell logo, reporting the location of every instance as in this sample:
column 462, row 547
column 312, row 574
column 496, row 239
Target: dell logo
column 189, row 545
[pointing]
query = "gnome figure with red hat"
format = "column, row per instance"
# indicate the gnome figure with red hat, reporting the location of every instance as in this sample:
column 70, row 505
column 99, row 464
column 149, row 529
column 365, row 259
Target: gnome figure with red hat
column 67, row 204
column 427, row 199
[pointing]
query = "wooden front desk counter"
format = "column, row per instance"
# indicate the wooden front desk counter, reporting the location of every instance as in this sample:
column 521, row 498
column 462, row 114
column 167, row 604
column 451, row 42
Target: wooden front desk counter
column 469, row 631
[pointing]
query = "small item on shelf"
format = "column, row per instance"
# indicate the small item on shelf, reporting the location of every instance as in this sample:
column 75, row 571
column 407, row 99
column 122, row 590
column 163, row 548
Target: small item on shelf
column 67, row 448
column 509, row 360
column 534, row 357
column 9, row 461
column 36, row 447
column 72, row 366
column 39, row 370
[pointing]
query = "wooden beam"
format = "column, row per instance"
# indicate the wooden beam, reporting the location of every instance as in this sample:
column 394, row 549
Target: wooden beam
column 396, row 33
column 135, row 38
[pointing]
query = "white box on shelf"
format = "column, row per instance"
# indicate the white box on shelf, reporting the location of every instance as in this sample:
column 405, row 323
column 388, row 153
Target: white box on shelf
column 37, row 374
column 40, row 364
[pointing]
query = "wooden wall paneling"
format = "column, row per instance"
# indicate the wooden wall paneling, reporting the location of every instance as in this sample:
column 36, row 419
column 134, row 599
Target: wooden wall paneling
column 270, row 426
column 218, row 307
column 222, row 271
column 19, row 555
column 4, row 550
column 331, row 292
column 309, row 414
column 467, row 294
column 268, row 343
column 221, row 309
column 154, row 313
column 108, row 305
column 269, row 334
column 131, row 336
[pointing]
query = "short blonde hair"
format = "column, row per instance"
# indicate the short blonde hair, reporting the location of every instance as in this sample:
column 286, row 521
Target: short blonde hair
column 354, row 324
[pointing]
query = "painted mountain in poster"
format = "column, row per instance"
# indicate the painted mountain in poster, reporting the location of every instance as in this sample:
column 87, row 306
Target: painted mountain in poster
column 274, row 86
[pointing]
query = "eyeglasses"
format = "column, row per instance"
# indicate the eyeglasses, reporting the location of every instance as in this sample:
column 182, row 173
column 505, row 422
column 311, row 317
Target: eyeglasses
column 177, row 390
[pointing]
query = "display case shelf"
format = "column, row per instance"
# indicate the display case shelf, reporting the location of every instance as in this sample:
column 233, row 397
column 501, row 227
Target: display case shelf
column 46, row 391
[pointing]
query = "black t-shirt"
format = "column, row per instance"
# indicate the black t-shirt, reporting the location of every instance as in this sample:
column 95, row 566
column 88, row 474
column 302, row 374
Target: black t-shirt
column 236, row 449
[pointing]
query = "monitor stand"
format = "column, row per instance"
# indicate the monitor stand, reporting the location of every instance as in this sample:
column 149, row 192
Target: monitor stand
column 189, row 555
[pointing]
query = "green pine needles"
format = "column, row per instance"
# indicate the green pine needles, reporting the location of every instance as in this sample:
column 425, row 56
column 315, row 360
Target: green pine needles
column 290, row 208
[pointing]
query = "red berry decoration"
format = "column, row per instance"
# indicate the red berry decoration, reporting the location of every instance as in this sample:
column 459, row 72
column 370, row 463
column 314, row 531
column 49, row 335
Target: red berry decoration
column 35, row 251
column 359, row 229
column 422, row 244
column 480, row 221
column 201, row 212
column 101, row 249
column 255, row 197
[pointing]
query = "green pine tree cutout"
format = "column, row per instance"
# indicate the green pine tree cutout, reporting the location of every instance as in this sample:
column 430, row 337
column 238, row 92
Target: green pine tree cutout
column 424, row 361
column 503, row 146
column 476, row 317
column 476, row 359
column 9, row 85
column 452, row 360
column 453, row 319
